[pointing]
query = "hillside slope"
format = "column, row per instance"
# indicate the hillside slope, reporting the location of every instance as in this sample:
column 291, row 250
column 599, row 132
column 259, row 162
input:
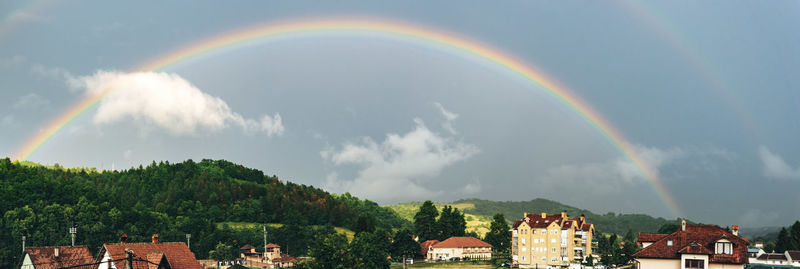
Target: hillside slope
column 482, row 211
column 43, row 202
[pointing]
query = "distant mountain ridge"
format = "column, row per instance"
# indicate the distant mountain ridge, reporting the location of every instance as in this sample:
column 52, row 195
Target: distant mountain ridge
column 482, row 211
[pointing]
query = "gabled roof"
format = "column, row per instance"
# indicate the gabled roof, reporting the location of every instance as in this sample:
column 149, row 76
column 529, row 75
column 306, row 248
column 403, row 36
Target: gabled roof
column 284, row 258
column 794, row 254
column 461, row 242
column 247, row 247
column 586, row 227
column 695, row 248
column 44, row 257
column 424, row 246
column 536, row 220
column 177, row 254
column 693, row 240
column 157, row 260
column 649, row 237
column 271, row 245
column 772, row 256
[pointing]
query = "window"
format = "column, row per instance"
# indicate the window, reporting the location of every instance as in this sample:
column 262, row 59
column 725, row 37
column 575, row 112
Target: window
column 523, row 257
column 553, row 240
column 669, row 243
column 533, row 232
column 523, row 241
column 524, row 249
column 724, row 248
column 554, row 250
column 694, row 264
column 536, row 241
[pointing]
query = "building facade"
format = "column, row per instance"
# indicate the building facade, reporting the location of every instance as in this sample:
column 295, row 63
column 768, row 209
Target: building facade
column 550, row 240
column 695, row 247
column 462, row 247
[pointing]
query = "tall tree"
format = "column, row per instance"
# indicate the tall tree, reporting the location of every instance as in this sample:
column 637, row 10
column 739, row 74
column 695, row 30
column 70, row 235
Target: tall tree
column 499, row 235
column 451, row 223
column 784, row 241
column 425, row 221
column 794, row 235
column 404, row 244
column 368, row 251
column 328, row 251
column 629, row 238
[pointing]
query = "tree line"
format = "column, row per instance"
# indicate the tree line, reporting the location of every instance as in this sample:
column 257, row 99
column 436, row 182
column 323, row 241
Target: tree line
column 171, row 200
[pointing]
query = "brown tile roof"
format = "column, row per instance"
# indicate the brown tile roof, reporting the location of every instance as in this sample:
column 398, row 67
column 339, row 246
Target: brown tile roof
column 424, row 246
column 704, row 236
column 695, row 248
column 178, row 254
column 586, row 227
column 568, row 224
column 271, row 245
column 536, row 220
column 461, row 242
column 772, row 256
column 284, row 258
column 794, row 254
column 649, row 237
column 247, row 247
column 157, row 260
column 44, row 257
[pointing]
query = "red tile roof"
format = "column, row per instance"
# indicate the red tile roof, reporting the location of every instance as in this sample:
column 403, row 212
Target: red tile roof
column 271, row 245
column 157, row 260
column 461, row 242
column 44, row 257
column 650, row 237
column 247, row 247
column 586, row 227
column 693, row 240
column 536, row 220
column 424, row 246
column 178, row 254
column 284, row 258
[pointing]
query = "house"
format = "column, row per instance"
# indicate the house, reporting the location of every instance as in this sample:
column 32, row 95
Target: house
column 54, row 257
column 154, row 255
column 272, row 258
column 550, row 240
column 789, row 258
column 695, row 247
column 460, row 247
column 425, row 247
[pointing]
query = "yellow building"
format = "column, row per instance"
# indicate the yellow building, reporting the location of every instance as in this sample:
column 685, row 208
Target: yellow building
column 550, row 240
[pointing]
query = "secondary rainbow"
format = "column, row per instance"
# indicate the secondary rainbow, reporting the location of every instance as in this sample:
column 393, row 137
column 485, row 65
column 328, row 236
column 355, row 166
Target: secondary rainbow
column 408, row 32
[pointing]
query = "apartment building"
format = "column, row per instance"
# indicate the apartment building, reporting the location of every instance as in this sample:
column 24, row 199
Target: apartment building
column 550, row 240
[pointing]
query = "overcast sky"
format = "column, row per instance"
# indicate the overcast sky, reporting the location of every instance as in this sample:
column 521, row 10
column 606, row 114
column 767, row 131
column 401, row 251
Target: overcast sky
column 707, row 92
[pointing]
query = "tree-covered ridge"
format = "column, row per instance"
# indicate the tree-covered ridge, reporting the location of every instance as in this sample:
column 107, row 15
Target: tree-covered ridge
column 172, row 200
column 513, row 210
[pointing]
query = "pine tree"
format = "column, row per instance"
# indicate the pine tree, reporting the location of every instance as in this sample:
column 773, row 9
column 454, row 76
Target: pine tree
column 784, row 241
column 425, row 221
column 794, row 236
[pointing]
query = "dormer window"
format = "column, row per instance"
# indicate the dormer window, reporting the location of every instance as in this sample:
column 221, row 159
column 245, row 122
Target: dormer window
column 669, row 243
column 724, row 247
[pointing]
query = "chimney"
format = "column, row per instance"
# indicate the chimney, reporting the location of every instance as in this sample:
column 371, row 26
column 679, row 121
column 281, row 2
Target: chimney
column 55, row 252
column 683, row 225
column 123, row 239
column 524, row 214
column 544, row 215
column 583, row 218
column 735, row 230
column 155, row 239
column 563, row 214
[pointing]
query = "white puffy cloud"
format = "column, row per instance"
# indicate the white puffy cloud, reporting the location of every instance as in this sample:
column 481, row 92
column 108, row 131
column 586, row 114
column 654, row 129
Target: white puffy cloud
column 167, row 101
column 449, row 118
column 397, row 168
column 776, row 167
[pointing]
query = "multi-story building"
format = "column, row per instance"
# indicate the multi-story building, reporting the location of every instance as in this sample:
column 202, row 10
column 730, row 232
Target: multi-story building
column 550, row 240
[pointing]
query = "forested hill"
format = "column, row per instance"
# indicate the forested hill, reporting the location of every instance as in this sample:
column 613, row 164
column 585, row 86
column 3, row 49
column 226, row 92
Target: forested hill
column 166, row 199
column 481, row 212
column 607, row 223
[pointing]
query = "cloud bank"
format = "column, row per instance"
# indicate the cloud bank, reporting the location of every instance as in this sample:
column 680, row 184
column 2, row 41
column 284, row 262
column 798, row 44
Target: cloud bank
column 775, row 167
column 166, row 101
column 396, row 169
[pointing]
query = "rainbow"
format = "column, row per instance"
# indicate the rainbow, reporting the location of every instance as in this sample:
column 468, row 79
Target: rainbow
column 21, row 14
column 381, row 28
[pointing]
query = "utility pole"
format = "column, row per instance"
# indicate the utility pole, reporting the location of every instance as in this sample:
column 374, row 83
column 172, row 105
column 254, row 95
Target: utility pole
column 404, row 261
column 23, row 244
column 188, row 241
column 72, row 232
column 265, row 242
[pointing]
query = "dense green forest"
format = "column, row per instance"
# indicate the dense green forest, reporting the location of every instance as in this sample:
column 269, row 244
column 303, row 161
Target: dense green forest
column 171, row 200
column 513, row 210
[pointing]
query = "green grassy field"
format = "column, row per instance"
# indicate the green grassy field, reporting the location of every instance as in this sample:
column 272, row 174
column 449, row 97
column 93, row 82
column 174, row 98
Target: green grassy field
column 252, row 225
column 475, row 223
